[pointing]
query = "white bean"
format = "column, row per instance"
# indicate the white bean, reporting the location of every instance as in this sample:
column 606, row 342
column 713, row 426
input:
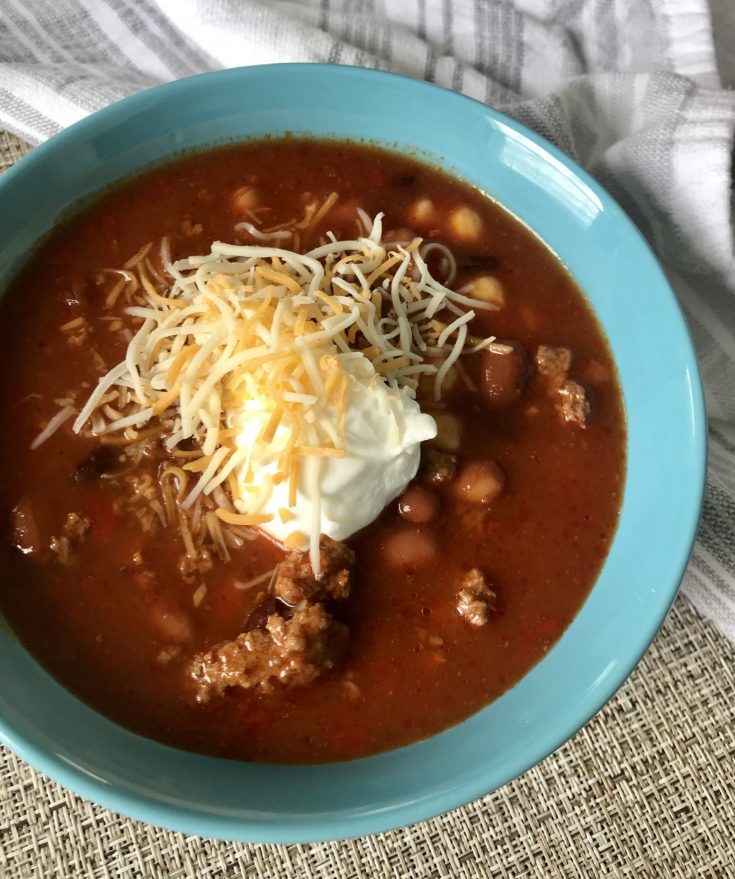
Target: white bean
column 449, row 435
column 465, row 224
column 479, row 482
column 486, row 288
column 409, row 548
column 421, row 212
column 244, row 199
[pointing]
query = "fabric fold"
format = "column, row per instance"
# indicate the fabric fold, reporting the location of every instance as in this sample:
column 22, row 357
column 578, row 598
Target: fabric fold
column 628, row 89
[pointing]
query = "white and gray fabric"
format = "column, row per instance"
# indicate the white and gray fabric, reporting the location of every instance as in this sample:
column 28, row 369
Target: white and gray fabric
column 629, row 88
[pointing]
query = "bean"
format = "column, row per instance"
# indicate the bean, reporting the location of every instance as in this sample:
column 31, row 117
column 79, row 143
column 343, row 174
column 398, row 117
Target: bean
column 448, row 431
column 171, row 623
column 502, row 374
column 418, row 505
column 488, row 289
column 421, row 212
column 465, row 224
column 409, row 548
column 244, row 199
column 479, row 482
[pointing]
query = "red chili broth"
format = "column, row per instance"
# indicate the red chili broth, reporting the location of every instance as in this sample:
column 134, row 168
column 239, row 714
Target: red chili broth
column 541, row 544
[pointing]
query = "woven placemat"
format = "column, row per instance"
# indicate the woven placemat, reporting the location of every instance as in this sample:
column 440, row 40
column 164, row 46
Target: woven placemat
column 645, row 790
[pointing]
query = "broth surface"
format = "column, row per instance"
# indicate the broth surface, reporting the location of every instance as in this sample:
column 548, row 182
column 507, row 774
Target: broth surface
column 413, row 665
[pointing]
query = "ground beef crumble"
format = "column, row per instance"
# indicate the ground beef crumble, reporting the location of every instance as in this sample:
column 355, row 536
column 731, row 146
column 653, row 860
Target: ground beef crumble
column 295, row 581
column 475, row 599
column 290, row 652
column 572, row 404
column 291, row 637
column 193, row 568
column 553, row 363
column 73, row 532
column 570, row 398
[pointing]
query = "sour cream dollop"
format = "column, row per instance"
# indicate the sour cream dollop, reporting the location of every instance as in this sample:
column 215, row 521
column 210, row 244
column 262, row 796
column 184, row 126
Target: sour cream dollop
column 383, row 430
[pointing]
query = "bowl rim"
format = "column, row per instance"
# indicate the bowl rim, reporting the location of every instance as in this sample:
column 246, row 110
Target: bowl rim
column 173, row 816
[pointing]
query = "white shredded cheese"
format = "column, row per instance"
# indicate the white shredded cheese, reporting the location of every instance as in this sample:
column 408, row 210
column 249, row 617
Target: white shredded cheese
column 252, row 352
column 61, row 417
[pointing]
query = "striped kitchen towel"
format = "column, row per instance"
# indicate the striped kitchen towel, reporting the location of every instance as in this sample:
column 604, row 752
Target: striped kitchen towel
column 629, row 88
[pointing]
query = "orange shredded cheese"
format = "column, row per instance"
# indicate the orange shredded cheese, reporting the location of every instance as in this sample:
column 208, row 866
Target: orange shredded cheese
column 248, row 354
column 295, row 540
column 242, row 519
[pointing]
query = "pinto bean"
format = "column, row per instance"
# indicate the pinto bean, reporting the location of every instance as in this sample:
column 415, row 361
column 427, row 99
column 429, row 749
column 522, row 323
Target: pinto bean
column 418, row 504
column 479, row 482
column 502, row 374
column 427, row 381
column 409, row 548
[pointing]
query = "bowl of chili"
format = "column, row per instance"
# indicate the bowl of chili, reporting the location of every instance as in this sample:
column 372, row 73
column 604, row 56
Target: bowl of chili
column 557, row 668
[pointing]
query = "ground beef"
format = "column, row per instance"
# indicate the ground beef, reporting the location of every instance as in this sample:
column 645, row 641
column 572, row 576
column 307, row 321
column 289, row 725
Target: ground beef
column 570, row 398
column 437, row 467
column 475, row 599
column 73, row 532
column 295, row 582
column 572, row 403
column 553, row 363
column 289, row 652
column 193, row 568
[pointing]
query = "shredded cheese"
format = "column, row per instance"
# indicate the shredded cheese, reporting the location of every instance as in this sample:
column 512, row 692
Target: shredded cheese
column 248, row 353
column 61, row 417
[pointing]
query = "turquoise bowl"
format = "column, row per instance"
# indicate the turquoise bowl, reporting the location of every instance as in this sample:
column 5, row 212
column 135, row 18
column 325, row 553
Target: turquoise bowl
column 79, row 748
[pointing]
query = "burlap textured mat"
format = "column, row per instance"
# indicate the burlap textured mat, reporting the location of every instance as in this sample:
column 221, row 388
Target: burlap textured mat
column 645, row 791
